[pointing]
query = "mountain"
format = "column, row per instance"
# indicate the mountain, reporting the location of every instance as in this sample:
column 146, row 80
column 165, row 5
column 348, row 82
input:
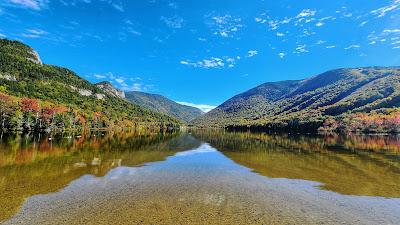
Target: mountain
column 164, row 105
column 36, row 96
column 335, row 94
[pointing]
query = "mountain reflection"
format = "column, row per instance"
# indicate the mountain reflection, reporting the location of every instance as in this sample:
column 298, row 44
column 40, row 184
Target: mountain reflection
column 34, row 165
column 358, row 165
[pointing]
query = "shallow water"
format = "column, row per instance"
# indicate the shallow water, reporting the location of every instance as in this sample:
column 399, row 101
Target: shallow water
column 206, row 177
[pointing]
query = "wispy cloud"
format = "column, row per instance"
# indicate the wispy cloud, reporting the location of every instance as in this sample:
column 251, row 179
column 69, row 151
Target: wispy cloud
column 173, row 5
column 381, row 12
column 280, row 34
column 29, row 4
column 126, row 83
column 226, row 25
column 391, row 31
column 363, row 23
column 301, row 49
column 34, row 33
column 352, row 47
column 306, row 13
column 174, row 22
column 118, row 7
column 252, row 53
column 202, row 107
column 212, row 62
column 99, row 76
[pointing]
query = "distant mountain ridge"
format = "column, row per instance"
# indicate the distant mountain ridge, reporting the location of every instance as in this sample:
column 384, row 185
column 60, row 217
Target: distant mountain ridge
column 161, row 104
column 331, row 94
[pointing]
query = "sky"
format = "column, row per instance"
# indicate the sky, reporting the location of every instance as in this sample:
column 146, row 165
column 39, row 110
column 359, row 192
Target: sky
column 202, row 53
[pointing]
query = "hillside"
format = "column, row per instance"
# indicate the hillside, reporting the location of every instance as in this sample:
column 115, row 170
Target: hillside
column 336, row 95
column 36, row 96
column 164, row 105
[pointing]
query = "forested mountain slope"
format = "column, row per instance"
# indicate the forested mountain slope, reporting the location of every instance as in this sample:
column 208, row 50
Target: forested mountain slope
column 36, row 96
column 337, row 95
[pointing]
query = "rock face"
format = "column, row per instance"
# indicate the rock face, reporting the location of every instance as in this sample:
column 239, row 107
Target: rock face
column 8, row 77
column 35, row 57
column 85, row 92
column 110, row 89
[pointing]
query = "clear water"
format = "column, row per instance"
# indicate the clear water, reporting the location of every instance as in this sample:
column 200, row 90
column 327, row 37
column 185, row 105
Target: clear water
column 203, row 177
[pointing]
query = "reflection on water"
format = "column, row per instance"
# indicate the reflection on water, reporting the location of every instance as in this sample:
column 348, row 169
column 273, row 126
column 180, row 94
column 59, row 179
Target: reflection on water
column 31, row 165
column 347, row 165
column 203, row 177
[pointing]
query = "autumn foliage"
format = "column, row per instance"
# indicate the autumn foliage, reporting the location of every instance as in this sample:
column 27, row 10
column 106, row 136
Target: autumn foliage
column 383, row 121
column 28, row 114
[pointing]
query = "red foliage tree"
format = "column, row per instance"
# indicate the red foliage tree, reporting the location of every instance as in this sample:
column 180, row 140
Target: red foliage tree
column 30, row 105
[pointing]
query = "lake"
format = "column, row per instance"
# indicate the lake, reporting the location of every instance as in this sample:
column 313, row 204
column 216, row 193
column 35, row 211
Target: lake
column 199, row 177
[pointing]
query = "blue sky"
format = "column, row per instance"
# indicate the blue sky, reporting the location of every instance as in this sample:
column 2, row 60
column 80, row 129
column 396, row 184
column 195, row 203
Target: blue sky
column 204, row 52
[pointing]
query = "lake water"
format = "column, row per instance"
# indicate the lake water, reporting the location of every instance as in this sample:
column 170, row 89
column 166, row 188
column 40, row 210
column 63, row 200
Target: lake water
column 201, row 177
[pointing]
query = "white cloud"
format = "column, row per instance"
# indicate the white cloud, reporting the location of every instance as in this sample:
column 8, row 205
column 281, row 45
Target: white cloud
column 301, row 49
column 319, row 24
column 327, row 18
column 225, row 26
column 118, row 7
column 363, row 23
column 133, row 31
column 213, row 62
column 173, row 5
column 30, row 4
column 99, row 76
column 352, row 47
column 34, row 33
column 381, row 12
column 273, row 24
column 388, row 31
column 348, row 14
column 281, row 55
column 2, row 35
column 306, row 13
column 286, row 20
column 252, row 53
column 258, row 20
column 137, row 87
column 120, row 80
column 330, row 46
column 204, row 148
column 174, row 22
column 396, row 43
column 202, row 107
column 280, row 34
column 126, row 83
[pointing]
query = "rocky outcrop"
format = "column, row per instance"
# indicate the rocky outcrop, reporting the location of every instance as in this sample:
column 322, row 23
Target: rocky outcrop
column 110, row 89
column 85, row 92
column 35, row 57
column 8, row 77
